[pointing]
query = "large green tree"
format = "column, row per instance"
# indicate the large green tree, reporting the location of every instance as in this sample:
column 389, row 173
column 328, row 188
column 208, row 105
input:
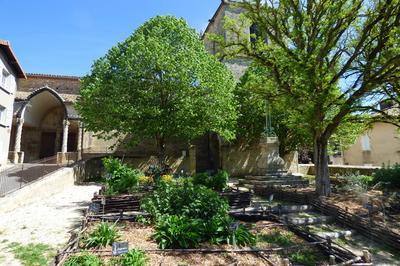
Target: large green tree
column 331, row 58
column 159, row 83
column 256, row 90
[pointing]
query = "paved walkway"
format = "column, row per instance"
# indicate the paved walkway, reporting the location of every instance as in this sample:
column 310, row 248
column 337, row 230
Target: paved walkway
column 49, row 221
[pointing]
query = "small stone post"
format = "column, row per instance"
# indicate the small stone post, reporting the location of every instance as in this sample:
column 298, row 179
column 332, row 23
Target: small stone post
column 367, row 256
column 332, row 260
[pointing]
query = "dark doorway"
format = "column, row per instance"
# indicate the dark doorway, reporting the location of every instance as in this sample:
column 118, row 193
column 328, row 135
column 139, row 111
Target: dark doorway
column 72, row 142
column 48, row 142
column 207, row 153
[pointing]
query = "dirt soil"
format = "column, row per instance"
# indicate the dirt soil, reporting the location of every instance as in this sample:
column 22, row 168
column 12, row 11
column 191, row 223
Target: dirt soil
column 139, row 236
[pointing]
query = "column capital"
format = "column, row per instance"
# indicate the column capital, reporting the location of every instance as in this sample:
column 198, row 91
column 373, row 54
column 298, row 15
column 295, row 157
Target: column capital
column 20, row 120
column 66, row 123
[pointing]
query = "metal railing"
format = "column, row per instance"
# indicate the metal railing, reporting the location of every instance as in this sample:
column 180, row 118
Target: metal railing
column 21, row 175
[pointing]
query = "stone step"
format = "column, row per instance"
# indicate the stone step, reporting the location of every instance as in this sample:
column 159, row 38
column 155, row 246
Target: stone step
column 298, row 219
column 335, row 235
column 275, row 183
column 273, row 177
column 292, row 208
column 283, row 209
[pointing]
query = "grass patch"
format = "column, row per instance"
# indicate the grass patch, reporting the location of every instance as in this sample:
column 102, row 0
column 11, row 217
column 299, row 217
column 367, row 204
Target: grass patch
column 32, row 254
column 277, row 238
column 304, row 257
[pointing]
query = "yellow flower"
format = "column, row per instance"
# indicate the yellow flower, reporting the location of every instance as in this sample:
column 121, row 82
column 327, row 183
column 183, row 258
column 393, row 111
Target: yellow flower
column 167, row 178
column 143, row 180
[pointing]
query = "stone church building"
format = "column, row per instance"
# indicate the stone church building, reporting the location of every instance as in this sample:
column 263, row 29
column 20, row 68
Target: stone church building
column 46, row 126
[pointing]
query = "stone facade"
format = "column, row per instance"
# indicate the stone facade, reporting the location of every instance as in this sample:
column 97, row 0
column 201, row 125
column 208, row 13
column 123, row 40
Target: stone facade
column 237, row 65
column 379, row 145
column 9, row 73
column 68, row 85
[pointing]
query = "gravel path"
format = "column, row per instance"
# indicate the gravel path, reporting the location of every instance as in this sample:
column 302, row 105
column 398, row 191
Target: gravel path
column 49, row 221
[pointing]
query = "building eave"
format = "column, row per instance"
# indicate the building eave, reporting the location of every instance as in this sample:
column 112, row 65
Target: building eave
column 210, row 21
column 12, row 59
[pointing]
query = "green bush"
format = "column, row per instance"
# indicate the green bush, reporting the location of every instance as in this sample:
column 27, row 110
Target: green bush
column 83, row 259
column 121, row 178
column 134, row 257
column 218, row 229
column 186, row 215
column 173, row 231
column 216, row 182
column 184, row 198
column 388, row 174
column 305, row 257
column 103, row 235
column 356, row 182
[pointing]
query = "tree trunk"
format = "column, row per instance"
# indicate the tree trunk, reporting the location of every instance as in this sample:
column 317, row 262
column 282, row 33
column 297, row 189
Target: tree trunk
column 322, row 181
column 162, row 157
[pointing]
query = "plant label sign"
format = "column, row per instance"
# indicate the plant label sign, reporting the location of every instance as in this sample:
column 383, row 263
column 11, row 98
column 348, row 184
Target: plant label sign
column 119, row 248
column 94, row 207
column 271, row 197
column 234, row 226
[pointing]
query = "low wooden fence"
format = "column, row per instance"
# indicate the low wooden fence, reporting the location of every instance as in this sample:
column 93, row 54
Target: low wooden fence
column 362, row 225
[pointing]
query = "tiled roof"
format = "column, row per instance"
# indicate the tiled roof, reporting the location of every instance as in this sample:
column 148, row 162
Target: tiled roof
column 51, row 76
column 23, row 95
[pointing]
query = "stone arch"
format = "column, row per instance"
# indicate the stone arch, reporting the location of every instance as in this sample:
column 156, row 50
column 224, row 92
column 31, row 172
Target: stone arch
column 37, row 92
column 41, row 117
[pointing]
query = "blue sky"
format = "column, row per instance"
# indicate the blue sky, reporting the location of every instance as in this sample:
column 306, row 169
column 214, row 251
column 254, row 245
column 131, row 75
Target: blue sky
column 65, row 36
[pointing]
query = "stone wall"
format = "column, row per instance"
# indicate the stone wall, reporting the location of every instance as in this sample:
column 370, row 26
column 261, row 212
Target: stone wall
column 61, row 84
column 49, row 185
column 241, row 159
column 309, row 169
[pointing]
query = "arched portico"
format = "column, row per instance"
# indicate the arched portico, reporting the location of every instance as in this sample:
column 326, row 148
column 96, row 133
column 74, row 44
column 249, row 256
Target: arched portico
column 42, row 127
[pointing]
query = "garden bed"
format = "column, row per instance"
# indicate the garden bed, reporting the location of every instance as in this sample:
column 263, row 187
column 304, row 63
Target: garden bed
column 275, row 242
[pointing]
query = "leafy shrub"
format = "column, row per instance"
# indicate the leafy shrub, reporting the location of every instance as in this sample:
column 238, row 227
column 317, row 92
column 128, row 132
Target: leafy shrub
column 216, row 182
column 388, row 174
column 83, row 259
column 187, row 214
column 121, row 178
column 134, row 257
column 218, row 229
column 103, row 235
column 173, row 231
column 356, row 182
column 186, row 199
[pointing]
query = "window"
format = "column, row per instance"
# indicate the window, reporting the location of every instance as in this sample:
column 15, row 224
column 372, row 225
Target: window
column 4, row 77
column 3, row 115
column 253, row 34
column 365, row 143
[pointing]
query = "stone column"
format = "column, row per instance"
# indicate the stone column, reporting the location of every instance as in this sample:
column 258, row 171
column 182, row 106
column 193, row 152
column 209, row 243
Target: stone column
column 79, row 142
column 57, row 141
column 80, row 133
column 18, row 135
column 64, row 147
column 192, row 159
